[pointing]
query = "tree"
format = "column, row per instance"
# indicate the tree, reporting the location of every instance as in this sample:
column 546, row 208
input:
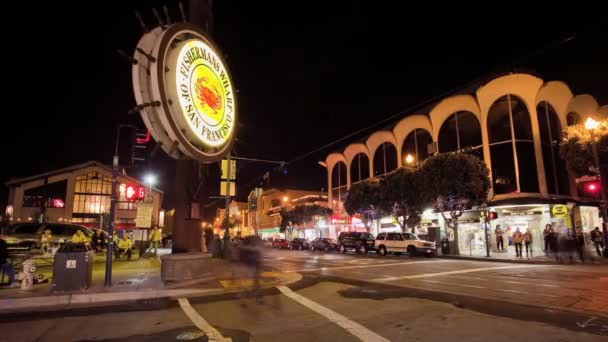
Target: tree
column 301, row 214
column 363, row 199
column 575, row 149
column 455, row 182
column 402, row 195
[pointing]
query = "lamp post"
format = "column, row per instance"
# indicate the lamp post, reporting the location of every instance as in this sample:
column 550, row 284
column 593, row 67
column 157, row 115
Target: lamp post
column 591, row 125
column 150, row 179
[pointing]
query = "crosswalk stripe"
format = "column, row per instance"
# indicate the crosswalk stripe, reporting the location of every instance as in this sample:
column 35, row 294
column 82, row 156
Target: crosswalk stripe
column 352, row 327
column 200, row 322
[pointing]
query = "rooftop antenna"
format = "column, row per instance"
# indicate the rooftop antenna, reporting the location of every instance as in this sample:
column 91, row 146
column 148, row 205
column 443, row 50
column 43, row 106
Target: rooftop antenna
column 167, row 17
column 141, row 22
column 181, row 11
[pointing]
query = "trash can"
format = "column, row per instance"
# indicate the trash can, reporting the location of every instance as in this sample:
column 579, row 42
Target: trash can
column 445, row 246
column 73, row 267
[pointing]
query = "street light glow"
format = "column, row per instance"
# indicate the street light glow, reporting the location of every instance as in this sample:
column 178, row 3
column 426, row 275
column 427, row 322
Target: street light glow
column 285, row 199
column 150, row 179
column 591, row 124
column 409, row 159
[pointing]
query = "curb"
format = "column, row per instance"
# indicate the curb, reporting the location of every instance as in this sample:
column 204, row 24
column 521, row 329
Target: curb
column 510, row 261
column 79, row 301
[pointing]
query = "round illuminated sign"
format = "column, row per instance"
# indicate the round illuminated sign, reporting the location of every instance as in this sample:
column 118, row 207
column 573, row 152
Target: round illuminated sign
column 205, row 93
column 559, row 210
column 184, row 92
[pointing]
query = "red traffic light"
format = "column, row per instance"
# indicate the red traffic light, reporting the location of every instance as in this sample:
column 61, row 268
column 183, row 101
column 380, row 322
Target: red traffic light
column 592, row 187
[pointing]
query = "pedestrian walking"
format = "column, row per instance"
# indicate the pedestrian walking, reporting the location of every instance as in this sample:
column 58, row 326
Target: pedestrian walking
column 549, row 236
column 499, row 239
column 528, row 243
column 598, row 240
column 518, row 238
column 155, row 238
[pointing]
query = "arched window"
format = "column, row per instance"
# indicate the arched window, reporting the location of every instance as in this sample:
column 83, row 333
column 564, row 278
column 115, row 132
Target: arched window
column 359, row 168
column 573, row 119
column 511, row 147
column 338, row 181
column 416, row 144
column 461, row 132
column 385, row 159
column 550, row 136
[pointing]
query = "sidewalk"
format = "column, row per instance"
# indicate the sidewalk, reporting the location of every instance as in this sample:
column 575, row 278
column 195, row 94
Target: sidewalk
column 590, row 259
column 133, row 282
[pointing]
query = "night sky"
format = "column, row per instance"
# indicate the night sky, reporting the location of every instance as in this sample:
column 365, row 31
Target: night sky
column 307, row 73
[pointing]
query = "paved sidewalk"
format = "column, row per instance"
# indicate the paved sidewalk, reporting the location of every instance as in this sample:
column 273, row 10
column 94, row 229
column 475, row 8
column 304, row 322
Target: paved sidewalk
column 539, row 259
column 134, row 282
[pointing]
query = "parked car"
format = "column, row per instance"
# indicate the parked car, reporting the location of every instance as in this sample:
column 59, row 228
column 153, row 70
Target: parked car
column 323, row 244
column 299, row 244
column 25, row 237
column 357, row 241
column 280, row 243
column 403, row 243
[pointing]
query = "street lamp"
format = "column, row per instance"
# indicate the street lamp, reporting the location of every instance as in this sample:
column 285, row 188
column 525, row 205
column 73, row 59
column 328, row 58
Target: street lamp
column 591, row 125
column 150, row 179
column 285, row 199
column 409, row 159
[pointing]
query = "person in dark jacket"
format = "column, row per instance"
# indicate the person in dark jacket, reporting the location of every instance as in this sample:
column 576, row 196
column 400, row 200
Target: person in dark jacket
column 598, row 240
column 98, row 242
column 6, row 267
column 580, row 243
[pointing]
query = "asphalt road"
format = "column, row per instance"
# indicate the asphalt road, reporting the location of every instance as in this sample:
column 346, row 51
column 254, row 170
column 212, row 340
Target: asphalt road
column 370, row 298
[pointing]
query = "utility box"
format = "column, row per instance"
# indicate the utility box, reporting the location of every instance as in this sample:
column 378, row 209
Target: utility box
column 73, row 267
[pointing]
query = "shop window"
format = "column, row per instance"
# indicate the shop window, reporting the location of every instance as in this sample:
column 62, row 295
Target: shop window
column 385, row 159
column 359, row 168
column 416, row 144
column 35, row 197
column 92, row 193
column 511, row 147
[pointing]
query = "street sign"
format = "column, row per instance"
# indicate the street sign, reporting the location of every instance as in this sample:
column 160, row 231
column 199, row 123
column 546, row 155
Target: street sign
column 232, row 169
column 559, row 210
column 223, row 186
column 144, row 215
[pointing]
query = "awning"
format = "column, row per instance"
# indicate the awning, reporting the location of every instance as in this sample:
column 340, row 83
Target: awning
column 269, row 230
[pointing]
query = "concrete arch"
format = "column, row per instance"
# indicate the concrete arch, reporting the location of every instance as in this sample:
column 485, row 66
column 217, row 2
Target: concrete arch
column 407, row 125
column 330, row 162
column 450, row 105
column 526, row 88
column 379, row 138
column 353, row 150
column 603, row 112
column 558, row 95
column 584, row 105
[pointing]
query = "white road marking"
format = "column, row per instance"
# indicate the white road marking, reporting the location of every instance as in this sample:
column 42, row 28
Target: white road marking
column 514, row 282
column 438, row 274
column 456, row 284
column 200, row 322
column 548, row 285
column 352, row 327
column 467, row 278
column 529, row 293
column 366, row 266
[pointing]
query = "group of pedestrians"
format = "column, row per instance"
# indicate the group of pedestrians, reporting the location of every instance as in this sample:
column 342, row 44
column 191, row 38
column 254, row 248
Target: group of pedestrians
column 563, row 246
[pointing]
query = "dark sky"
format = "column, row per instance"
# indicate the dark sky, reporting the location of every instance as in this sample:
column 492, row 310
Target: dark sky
column 307, row 72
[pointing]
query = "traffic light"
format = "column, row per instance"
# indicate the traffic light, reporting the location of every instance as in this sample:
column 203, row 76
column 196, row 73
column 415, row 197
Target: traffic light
column 140, row 146
column 589, row 186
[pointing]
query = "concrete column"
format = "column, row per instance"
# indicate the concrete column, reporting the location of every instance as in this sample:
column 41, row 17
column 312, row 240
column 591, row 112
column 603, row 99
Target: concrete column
column 538, row 151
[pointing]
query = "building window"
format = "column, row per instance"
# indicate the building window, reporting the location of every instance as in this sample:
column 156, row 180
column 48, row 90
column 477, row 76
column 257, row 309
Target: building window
column 92, row 194
column 550, row 136
column 416, row 144
column 338, row 182
column 359, row 168
column 385, row 159
column 511, row 147
column 36, row 197
column 461, row 132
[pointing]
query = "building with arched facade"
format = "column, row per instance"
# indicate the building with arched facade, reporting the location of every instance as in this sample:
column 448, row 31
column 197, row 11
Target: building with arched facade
column 514, row 123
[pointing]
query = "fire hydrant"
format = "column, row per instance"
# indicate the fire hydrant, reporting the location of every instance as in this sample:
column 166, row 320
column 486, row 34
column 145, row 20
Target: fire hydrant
column 27, row 276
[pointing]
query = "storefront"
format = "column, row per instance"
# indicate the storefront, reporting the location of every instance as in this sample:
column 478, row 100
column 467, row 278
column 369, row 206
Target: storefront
column 271, row 233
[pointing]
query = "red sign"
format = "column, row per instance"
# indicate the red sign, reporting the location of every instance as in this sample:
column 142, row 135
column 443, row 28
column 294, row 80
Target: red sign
column 135, row 193
column 58, row 203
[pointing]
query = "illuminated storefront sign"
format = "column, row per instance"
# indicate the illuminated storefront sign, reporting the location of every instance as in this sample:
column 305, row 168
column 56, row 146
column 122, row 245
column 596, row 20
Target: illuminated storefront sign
column 58, row 203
